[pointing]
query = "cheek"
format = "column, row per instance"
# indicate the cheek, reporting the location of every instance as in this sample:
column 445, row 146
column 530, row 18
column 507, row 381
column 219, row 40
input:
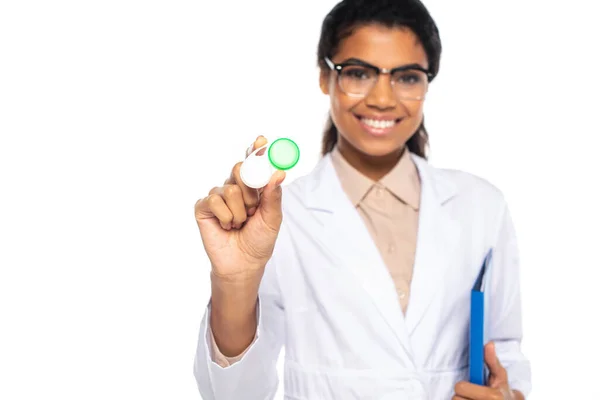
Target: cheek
column 342, row 105
column 415, row 113
column 341, row 112
column 340, row 102
column 414, row 109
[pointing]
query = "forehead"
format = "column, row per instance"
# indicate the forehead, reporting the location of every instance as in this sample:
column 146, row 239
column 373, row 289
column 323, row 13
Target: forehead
column 382, row 46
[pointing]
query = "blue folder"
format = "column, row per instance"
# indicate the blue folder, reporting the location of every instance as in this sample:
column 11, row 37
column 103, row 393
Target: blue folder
column 477, row 367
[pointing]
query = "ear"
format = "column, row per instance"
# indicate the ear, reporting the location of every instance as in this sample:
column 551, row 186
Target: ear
column 324, row 81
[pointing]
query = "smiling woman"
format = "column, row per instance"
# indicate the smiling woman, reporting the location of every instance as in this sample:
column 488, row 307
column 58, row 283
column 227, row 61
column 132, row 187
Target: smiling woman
column 363, row 269
column 377, row 89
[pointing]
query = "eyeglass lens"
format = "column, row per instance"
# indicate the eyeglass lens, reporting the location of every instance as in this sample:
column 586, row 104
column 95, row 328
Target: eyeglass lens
column 359, row 80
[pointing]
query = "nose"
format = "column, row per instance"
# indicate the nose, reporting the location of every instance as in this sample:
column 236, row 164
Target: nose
column 382, row 94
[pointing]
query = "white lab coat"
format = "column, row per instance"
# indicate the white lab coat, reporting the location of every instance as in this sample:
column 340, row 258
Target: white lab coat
column 328, row 298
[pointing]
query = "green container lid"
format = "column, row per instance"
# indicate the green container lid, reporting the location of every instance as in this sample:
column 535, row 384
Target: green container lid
column 284, row 153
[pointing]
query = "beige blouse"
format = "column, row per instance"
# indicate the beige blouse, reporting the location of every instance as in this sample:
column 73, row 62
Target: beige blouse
column 390, row 211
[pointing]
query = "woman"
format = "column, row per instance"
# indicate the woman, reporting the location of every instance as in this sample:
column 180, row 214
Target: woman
column 363, row 269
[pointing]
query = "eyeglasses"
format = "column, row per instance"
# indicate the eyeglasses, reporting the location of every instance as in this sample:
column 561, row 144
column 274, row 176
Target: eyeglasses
column 357, row 78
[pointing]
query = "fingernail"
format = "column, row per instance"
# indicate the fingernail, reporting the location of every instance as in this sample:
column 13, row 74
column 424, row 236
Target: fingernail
column 252, row 211
column 227, row 226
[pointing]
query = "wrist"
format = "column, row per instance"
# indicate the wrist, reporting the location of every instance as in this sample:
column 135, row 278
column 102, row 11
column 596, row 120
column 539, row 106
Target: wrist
column 247, row 275
column 234, row 299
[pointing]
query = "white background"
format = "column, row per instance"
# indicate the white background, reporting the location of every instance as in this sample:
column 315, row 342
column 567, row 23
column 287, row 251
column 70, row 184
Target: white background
column 116, row 116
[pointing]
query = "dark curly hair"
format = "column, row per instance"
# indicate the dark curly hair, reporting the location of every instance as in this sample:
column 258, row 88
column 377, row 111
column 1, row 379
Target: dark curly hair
column 350, row 14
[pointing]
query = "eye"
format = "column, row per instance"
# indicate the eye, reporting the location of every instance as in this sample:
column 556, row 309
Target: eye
column 357, row 73
column 410, row 77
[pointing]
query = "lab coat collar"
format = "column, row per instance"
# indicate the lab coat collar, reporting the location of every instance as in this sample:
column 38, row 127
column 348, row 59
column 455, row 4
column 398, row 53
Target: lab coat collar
column 350, row 242
column 402, row 180
column 320, row 193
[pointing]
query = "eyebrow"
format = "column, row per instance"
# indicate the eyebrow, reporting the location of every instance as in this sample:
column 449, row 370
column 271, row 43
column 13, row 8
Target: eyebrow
column 358, row 61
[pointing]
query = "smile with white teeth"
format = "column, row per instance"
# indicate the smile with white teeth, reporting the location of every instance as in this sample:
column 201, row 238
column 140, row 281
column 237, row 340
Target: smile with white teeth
column 380, row 124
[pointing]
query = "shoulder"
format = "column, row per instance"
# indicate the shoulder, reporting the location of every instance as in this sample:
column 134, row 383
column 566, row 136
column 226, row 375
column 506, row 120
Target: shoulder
column 474, row 202
column 472, row 186
column 466, row 186
column 477, row 205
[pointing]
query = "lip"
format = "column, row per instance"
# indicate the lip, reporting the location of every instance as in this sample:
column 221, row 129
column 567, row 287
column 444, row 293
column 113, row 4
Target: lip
column 377, row 132
column 378, row 117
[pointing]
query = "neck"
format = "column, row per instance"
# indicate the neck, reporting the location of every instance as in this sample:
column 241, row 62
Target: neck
column 373, row 167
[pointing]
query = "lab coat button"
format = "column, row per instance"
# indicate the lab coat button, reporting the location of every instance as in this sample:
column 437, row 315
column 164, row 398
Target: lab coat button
column 391, row 248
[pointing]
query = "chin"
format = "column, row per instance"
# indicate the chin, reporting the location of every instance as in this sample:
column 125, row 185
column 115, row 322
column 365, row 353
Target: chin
column 380, row 148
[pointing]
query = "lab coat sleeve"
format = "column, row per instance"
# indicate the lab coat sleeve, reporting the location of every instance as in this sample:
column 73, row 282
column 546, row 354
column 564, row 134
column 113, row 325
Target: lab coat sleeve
column 254, row 376
column 504, row 305
column 219, row 357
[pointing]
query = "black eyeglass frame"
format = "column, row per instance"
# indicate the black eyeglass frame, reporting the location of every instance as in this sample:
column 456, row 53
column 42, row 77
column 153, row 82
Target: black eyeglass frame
column 357, row 63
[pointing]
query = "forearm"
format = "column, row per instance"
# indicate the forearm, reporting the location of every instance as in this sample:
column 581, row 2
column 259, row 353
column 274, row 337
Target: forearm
column 233, row 313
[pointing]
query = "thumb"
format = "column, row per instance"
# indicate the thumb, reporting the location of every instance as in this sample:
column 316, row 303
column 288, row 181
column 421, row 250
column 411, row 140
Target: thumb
column 493, row 363
column 270, row 201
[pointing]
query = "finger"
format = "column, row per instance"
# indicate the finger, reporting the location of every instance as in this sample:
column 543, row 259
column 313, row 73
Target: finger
column 232, row 197
column 251, row 196
column 475, row 392
column 232, row 194
column 493, row 363
column 459, row 398
column 214, row 206
column 260, row 141
column 270, row 203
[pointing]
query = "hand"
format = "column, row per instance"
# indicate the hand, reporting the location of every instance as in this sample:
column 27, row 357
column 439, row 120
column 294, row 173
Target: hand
column 239, row 225
column 497, row 389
